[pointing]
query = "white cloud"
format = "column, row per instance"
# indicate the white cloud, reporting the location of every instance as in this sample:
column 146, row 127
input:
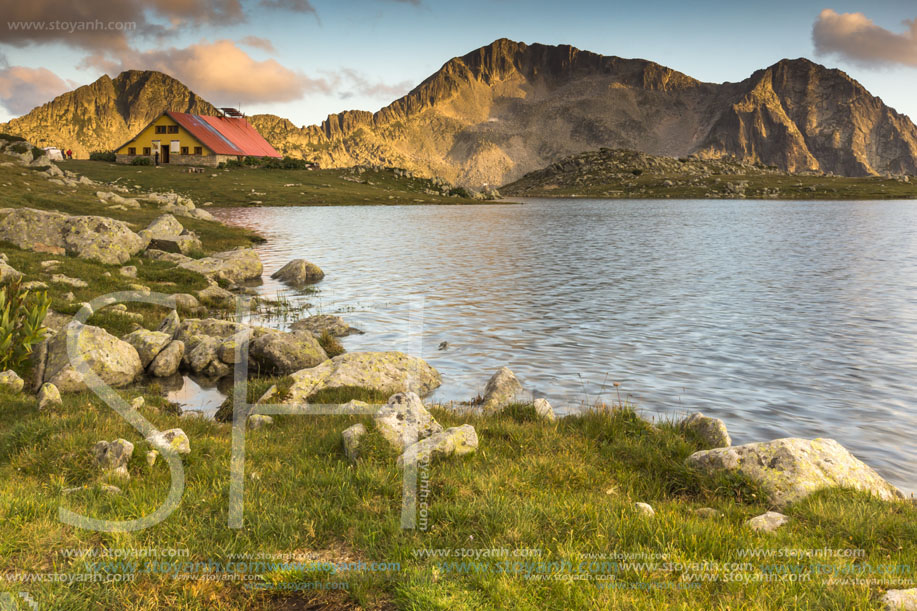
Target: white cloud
column 857, row 38
column 22, row 88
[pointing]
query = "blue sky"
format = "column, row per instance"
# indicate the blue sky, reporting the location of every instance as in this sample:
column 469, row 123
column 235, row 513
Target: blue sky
column 325, row 57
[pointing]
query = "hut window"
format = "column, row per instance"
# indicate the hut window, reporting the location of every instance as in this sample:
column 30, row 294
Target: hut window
column 131, row 151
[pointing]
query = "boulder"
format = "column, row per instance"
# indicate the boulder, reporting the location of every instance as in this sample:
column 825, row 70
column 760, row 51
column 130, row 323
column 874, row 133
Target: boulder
column 168, row 360
column 382, row 372
column 202, row 354
column 183, row 244
column 96, row 238
column 711, row 431
column 113, row 456
column 234, row 266
column 790, row 469
column 404, row 420
column 173, row 440
column 165, row 226
column 502, row 389
column 148, row 344
column 210, row 327
column 115, row 361
column 284, row 353
column 217, row 297
column 170, row 324
column 186, row 302
column 543, row 409
column 48, row 395
column 351, row 437
column 899, row 600
column 767, row 522
column 11, row 382
column 8, row 274
column 299, row 272
column 458, row 441
column 322, row 323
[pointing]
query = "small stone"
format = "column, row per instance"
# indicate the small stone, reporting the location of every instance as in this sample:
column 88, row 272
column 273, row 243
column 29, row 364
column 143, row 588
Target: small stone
column 645, row 508
column 900, row 600
column 457, row 440
column 707, row 513
column 259, row 421
column 173, row 440
column 767, row 522
column 109, row 489
column 129, row 271
column 11, row 382
column 351, row 438
column 151, row 457
column 8, row 274
column 48, row 395
column 68, row 296
column 113, row 456
column 137, row 402
column 544, row 410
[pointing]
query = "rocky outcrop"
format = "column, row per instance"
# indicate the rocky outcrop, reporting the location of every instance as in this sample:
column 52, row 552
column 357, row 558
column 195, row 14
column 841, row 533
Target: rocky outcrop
column 299, row 272
column 234, row 266
column 115, row 361
column 710, row 431
column 380, row 372
column 166, row 234
column 404, row 420
column 790, row 469
column 96, row 238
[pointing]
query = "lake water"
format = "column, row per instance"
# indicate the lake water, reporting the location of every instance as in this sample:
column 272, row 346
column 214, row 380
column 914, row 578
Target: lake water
column 781, row 318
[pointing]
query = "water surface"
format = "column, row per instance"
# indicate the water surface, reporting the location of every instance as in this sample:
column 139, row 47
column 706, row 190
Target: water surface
column 782, row 318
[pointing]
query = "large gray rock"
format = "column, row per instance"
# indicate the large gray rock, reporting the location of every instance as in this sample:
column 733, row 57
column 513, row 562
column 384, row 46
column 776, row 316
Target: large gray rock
column 321, row 323
column 165, row 226
column 183, row 244
column 790, row 469
column 502, row 389
column 299, row 272
column 191, row 328
column 234, row 266
column 458, row 441
column 404, row 420
column 900, row 600
column 96, row 238
column 168, row 360
column 382, row 372
column 113, row 456
column 11, row 382
column 203, row 354
column 284, row 353
column 711, row 431
column 148, row 344
column 115, row 361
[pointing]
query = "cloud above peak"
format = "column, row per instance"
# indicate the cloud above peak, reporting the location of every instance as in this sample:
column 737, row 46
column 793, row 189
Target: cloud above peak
column 856, row 38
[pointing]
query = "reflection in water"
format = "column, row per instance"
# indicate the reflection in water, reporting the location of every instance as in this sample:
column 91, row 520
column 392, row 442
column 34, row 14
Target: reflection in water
column 783, row 318
column 195, row 394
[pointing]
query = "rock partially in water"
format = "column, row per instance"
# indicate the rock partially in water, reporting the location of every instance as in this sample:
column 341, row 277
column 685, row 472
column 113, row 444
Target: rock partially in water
column 791, row 469
column 502, row 389
column 148, row 344
column 115, row 361
column 11, row 382
column 458, row 441
column 168, row 360
column 404, row 420
column 383, row 373
column 321, row 323
column 299, row 272
column 285, row 353
column 767, row 522
column 96, row 238
column 711, row 431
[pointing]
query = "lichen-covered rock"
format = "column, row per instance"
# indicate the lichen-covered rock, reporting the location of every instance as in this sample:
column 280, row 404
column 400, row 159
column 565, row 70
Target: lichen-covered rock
column 351, row 438
column 321, row 323
column 284, row 353
column 168, row 360
column 458, row 441
column 115, row 361
column 96, row 238
column 299, row 272
column 383, row 372
column 790, row 469
column 8, row 274
column 711, row 431
column 147, row 343
column 767, row 522
column 543, row 409
column 204, row 352
column 235, row 266
column 211, row 327
column 502, row 389
column 170, row 324
column 173, row 440
column 404, row 420
column 900, row 600
column 183, row 244
column 165, row 226
column 11, row 382
column 186, row 302
column 113, row 456
column 48, row 395
column 217, row 297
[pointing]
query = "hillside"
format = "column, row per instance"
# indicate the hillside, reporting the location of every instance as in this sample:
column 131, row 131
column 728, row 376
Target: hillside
column 509, row 108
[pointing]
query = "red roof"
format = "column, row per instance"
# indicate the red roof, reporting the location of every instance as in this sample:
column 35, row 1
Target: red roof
column 225, row 135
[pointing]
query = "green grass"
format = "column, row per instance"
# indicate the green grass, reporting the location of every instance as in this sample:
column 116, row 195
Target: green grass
column 241, row 186
column 566, row 489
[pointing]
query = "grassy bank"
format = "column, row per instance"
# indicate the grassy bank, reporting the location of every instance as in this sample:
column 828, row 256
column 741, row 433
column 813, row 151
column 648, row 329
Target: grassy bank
column 565, row 490
column 242, row 186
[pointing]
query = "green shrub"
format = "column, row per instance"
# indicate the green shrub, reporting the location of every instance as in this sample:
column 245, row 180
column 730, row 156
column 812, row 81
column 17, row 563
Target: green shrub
column 233, row 163
column 102, row 156
column 330, row 344
column 142, row 161
column 287, row 163
column 21, row 316
column 20, row 147
column 11, row 138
